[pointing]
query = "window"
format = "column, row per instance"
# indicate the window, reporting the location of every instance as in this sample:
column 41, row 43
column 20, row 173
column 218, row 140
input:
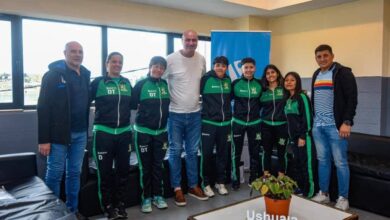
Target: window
column 43, row 43
column 204, row 48
column 5, row 63
column 137, row 48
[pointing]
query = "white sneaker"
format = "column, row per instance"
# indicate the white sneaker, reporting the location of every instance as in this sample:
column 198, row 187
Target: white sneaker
column 321, row 197
column 221, row 189
column 208, row 191
column 342, row 203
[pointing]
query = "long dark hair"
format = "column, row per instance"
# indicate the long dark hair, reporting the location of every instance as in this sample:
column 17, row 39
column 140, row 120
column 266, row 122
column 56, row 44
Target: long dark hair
column 279, row 77
column 298, row 85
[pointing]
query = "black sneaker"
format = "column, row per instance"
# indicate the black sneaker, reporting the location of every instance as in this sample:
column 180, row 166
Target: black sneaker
column 111, row 212
column 236, row 185
column 122, row 214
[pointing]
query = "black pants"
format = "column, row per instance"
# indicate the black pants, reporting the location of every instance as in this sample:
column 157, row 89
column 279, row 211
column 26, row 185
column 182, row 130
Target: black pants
column 272, row 136
column 254, row 146
column 108, row 148
column 304, row 165
column 218, row 136
column 150, row 152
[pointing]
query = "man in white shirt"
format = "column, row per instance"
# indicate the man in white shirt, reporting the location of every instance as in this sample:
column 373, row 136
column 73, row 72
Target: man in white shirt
column 184, row 71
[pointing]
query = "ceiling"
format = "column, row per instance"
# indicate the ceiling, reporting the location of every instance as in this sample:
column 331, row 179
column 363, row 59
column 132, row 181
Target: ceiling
column 227, row 9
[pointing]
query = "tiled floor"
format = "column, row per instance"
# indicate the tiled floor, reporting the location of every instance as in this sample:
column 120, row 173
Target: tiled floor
column 195, row 206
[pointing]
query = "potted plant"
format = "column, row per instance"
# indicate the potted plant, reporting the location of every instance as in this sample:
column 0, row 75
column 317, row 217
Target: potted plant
column 277, row 193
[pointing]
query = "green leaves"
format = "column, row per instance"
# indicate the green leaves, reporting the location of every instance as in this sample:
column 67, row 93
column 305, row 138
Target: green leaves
column 281, row 187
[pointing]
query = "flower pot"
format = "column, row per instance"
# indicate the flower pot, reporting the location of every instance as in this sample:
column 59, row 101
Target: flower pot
column 277, row 207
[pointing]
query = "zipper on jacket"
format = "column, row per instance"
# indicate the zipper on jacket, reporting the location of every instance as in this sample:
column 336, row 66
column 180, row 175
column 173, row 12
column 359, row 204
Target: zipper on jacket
column 223, row 113
column 119, row 103
column 273, row 100
column 249, row 100
column 159, row 95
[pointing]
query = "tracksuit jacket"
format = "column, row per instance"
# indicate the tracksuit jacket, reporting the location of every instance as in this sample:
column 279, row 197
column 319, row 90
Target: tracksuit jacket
column 151, row 98
column 246, row 118
column 299, row 116
column 216, row 118
column 112, row 137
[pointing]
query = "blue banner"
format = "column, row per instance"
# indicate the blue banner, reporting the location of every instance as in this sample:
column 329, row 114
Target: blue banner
column 237, row 45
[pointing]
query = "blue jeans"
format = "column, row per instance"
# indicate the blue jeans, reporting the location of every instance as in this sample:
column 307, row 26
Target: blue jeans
column 330, row 146
column 184, row 127
column 69, row 158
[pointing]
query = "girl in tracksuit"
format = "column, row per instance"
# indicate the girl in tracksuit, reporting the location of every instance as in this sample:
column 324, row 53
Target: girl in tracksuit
column 246, row 92
column 215, row 88
column 112, row 136
column 274, row 125
column 151, row 98
column 299, row 120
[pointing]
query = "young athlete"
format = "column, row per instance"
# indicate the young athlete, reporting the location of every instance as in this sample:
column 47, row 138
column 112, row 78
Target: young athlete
column 299, row 116
column 246, row 92
column 215, row 88
column 274, row 128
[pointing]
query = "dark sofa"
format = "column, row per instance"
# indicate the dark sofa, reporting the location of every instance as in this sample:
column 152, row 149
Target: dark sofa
column 23, row 195
column 369, row 163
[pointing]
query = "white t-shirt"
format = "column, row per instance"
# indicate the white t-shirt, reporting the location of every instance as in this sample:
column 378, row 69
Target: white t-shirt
column 183, row 75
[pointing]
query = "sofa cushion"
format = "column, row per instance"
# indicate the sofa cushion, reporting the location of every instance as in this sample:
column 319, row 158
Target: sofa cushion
column 33, row 200
column 369, row 165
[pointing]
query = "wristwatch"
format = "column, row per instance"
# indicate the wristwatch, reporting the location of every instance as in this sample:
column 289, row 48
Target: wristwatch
column 347, row 122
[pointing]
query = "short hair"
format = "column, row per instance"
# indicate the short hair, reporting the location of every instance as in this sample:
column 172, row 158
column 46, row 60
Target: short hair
column 298, row 85
column 279, row 77
column 248, row 60
column 221, row 60
column 323, row 47
column 113, row 54
column 158, row 60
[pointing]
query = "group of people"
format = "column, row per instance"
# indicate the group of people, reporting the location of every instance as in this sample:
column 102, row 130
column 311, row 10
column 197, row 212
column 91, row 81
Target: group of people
column 183, row 109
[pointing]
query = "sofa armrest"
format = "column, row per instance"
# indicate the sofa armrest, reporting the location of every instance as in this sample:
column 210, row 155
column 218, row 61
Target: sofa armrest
column 17, row 166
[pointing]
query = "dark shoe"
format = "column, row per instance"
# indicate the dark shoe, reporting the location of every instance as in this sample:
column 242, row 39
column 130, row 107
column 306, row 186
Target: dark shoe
column 122, row 211
column 197, row 193
column 179, row 198
column 235, row 185
column 111, row 212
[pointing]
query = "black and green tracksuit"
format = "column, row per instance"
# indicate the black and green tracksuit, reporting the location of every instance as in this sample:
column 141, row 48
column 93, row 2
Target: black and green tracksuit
column 216, row 118
column 111, row 137
column 299, row 122
column 151, row 98
column 246, row 118
column 274, row 128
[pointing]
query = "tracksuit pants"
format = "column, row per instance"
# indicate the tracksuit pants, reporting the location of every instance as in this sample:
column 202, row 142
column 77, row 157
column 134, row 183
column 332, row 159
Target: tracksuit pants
column 272, row 136
column 151, row 151
column 109, row 149
column 304, row 165
column 254, row 145
column 218, row 136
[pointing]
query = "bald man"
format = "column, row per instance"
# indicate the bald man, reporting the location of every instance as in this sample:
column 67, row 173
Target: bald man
column 184, row 71
column 63, row 110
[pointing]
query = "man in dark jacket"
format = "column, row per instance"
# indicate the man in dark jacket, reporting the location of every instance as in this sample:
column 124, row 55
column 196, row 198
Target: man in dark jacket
column 334, row 97
column 63, row 110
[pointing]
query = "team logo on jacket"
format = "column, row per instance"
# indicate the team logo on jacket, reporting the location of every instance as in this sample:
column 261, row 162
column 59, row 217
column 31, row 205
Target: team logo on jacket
column 258, row 136
column 163, row 91
column 229, row 138
column 254, row 91
column 226, row 85
column 123, row 88
column 279, row 92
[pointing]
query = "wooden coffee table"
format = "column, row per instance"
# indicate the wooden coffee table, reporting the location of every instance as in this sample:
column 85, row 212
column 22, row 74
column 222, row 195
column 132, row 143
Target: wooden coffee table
column 254, row 208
